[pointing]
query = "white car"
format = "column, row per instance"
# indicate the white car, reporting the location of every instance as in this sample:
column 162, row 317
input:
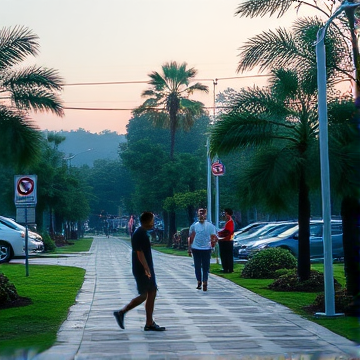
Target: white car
column 12, row 242
column 11, row 223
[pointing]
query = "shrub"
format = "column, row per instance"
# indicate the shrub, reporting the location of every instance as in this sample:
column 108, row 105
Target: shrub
column 49, row 244
column 264, row 264
column 343, row 304
column 290, row 282
column 8, row 291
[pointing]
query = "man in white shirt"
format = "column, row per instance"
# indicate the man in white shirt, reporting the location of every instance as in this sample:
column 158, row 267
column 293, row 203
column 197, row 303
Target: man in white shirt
column 202, row 237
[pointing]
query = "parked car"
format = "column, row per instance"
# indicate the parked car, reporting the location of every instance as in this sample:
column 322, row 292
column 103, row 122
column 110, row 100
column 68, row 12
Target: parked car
column 289, row 240
column 12, row 243
column 14, row 225
column 265, row 231
column 249, row 229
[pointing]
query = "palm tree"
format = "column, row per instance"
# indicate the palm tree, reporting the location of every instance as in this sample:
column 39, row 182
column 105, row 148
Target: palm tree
column 168, row 102
column 344, row 68
column 23, row 90
column 280, row 123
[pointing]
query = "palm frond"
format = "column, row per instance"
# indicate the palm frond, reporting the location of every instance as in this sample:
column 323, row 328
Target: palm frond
column 258, row 101
column 284, row 84
column 267, row 50
column 34, row 77
column 253, row 8
column 38, row 100
column 20, row 140
column 197, row 87
column 192, row 106
column 235, row 131
column 157, row 81
column 16, row 44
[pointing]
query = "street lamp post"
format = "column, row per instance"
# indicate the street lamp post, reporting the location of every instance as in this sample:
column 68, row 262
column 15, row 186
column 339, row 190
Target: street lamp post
column 68, row 159
column 324, row 161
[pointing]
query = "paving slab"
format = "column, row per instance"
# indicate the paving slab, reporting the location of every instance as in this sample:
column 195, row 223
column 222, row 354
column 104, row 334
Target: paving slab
column 226, row 322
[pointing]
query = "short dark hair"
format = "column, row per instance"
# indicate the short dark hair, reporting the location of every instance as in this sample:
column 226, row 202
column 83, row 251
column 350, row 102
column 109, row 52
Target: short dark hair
column 229, row 211
column 146, row 217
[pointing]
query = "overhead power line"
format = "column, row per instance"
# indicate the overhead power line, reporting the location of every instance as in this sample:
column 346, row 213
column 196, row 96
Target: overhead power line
column 141, row 82
column 146, row 81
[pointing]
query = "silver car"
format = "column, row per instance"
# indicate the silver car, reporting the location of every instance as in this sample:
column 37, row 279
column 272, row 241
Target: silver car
column 265, row 231
column 12, row 243
column 289, row 240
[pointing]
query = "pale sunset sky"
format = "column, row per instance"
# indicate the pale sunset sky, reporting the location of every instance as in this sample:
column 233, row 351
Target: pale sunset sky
column 90, row 41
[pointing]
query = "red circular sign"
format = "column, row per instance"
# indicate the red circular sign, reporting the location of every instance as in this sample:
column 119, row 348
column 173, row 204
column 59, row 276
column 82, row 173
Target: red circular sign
column 218, row 168
column 25, row 186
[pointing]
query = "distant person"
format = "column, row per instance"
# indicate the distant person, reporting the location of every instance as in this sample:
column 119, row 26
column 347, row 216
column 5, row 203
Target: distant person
column 202, row 237
column 143, row 271
column 131, row 225
column 226, row 244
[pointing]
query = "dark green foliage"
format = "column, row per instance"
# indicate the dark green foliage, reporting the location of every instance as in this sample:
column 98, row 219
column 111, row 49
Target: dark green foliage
column 265, row 263
column 343, row 304
column 49, row 244
column 7, row 290
column 290, row 282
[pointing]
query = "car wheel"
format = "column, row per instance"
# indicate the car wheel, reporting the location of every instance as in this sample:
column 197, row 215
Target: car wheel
column 5, row 252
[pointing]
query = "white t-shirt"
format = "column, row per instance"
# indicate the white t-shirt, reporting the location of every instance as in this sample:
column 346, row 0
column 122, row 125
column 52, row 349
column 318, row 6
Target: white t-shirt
column 203, row 232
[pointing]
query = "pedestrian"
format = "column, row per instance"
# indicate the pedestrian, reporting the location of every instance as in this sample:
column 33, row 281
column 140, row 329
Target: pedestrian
column 144, row 274
column 226, row 244
column 131, row 225
column 202, row 237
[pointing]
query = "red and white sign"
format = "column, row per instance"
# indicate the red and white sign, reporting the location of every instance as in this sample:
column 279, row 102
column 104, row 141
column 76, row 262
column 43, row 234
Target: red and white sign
column 25, row 190
column 218, row 168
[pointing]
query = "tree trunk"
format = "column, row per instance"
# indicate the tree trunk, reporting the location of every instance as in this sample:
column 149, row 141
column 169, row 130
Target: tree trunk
column 304, row 230
column 166, row 226
column 190, row 213
column 172, row 227
column 350, row 213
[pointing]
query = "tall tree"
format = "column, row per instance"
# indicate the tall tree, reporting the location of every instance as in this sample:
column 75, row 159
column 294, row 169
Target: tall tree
column 22, row 90
column 168, row 102
column 280, row 122
column 345, row 28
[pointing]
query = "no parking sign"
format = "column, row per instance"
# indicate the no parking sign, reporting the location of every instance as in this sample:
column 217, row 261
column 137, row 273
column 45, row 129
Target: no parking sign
column 25, row 190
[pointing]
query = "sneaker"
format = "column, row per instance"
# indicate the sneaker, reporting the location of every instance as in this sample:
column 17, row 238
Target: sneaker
column 154, row 327
column 119, row 316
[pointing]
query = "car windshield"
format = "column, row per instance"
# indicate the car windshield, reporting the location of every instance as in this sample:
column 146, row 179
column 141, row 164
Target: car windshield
column 9, row 223
column 288, row 232
column 275, row 231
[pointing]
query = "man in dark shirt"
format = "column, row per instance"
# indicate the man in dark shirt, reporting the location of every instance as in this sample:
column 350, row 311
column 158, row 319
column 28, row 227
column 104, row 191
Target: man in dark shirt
column 143, row 271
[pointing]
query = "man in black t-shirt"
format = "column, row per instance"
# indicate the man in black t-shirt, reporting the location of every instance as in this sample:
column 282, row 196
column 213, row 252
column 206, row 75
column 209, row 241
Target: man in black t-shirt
column 143, row 271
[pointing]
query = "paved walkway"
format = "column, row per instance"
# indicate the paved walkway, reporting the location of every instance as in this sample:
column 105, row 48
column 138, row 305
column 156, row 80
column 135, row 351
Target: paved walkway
column 227, row 322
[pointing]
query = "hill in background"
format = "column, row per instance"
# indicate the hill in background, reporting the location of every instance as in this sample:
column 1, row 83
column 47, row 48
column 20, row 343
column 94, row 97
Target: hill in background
column 103, row 146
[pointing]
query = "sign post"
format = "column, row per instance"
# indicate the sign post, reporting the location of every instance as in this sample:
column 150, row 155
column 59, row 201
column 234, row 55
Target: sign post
column 25, row 201
column 217, row 169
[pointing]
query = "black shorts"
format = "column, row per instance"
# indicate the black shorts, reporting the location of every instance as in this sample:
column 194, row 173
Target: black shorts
column 144, row 284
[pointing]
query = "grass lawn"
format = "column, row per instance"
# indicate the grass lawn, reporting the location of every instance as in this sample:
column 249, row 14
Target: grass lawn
column 53, row 290
column 79, row 245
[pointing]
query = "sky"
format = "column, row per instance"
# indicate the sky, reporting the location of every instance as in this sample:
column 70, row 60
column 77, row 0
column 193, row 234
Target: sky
column 122, row 41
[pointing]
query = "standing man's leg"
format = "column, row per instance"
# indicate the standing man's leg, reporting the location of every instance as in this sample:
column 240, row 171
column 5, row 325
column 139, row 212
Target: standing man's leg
column 119, row 315
column 149, row 307
column 222, row 254
column 197, row 265
column 231, row 256
column 205, row 259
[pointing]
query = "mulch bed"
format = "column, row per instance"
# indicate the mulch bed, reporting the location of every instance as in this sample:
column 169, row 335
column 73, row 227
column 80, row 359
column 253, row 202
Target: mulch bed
column 19, row 302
